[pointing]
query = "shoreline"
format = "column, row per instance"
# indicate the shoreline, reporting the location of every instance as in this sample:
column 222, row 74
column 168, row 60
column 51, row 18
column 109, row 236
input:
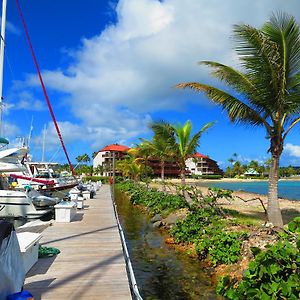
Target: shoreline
column 191, row 180
column 289, row 208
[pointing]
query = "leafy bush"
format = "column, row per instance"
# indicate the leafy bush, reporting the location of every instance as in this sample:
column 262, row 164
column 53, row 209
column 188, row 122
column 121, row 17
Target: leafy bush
column 274, row 274
column 194, row 225
column 221, row 247
column 294, row 226
column 104, row 179
column 156, row 201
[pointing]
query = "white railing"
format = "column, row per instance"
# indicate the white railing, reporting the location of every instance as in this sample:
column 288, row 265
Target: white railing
column 133, row 284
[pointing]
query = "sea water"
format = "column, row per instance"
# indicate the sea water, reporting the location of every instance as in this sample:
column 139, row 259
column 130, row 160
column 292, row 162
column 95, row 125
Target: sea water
column 289, row 189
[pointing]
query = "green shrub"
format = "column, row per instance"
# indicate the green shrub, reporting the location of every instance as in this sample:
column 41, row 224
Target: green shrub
column 104, row 179
column 156, row 201
column 221, row 247
column 274, row 273
column 194, row 225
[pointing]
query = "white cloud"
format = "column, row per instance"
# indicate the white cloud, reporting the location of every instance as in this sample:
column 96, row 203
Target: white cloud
column 10, row 130
column 23, row 99
column 97, row 136
column 292, row 150
column 11, row 28
column 127, row 71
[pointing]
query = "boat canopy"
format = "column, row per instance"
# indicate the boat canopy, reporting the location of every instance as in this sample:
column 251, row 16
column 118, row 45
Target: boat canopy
column 4, row 141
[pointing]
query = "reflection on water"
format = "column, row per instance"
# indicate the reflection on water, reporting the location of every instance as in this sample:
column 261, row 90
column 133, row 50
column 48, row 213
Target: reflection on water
column 161, row 272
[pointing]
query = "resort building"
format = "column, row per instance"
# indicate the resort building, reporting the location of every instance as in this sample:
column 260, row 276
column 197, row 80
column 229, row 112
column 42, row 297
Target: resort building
column 171, row 168
column 104, row 157
column 200, row 164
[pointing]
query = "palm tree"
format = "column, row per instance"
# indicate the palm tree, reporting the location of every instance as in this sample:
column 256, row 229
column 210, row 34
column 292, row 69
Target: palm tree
column 158, row 148
column 130, row 167
column 83, row 158
column 266, row 90
column 182, row 141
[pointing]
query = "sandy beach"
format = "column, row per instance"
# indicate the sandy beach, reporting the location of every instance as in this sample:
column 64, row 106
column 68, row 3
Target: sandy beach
column 290, row 208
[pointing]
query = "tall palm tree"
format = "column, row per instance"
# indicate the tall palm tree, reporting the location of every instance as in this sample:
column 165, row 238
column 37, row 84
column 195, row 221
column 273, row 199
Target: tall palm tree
column 187, row 143
column 266, row 89
column 158, row 148
column 182, row 141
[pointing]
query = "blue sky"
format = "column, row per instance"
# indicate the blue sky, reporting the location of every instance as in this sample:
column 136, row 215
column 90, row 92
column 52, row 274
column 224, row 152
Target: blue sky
column 110, row 68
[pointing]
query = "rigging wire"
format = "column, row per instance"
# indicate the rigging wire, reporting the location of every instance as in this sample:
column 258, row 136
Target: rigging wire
column 43, row 86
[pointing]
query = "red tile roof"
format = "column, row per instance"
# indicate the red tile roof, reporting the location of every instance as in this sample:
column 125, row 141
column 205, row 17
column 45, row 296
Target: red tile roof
column 199, row 155
column 115, row 147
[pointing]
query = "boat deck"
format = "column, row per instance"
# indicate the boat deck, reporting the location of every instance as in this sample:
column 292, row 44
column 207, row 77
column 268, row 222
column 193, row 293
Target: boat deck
column 91, row 264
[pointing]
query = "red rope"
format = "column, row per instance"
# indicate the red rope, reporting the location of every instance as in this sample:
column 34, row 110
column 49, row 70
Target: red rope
column 43, row 86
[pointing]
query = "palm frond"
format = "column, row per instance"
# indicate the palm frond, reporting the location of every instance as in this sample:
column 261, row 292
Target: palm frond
column 284, row 31
column 195, row 140
column 261, row 59
column 236, row 79
column 237, row 110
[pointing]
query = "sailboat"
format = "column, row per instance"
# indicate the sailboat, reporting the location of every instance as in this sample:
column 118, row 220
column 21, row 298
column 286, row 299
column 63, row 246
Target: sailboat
column 13, row 203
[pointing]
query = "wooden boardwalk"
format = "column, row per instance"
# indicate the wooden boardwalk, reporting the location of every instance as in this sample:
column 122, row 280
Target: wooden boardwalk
column 91, row 263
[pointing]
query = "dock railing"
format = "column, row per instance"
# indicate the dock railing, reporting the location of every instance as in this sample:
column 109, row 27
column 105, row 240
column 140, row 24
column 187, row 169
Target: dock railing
column 133, row 285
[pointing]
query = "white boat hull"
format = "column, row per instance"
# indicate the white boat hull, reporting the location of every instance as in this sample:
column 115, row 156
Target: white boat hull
column 17, row 204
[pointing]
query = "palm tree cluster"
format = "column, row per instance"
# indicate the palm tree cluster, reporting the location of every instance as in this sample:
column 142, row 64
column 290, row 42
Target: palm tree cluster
column 266, row 89
column 170, row 143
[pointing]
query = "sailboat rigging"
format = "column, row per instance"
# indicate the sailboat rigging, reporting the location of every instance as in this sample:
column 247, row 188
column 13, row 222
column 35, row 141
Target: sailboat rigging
column 43, row 87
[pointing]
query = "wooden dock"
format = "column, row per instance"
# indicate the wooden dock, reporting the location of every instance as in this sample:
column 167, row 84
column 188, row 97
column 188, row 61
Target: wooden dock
column 91, row 264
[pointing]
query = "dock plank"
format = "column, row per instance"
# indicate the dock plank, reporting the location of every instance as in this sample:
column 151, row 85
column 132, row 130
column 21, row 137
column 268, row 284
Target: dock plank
column 91, row 264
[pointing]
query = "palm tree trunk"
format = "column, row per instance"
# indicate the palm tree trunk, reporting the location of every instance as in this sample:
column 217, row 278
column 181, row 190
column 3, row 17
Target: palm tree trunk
column 273, row 210
column 182, row 175
column 162, row 166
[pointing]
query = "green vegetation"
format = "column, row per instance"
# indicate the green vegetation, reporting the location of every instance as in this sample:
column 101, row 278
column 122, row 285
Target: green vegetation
column 154, row 200
column 160, row 147
column 265, row 91
column 181, row 140
column 204, row 225
column 132, row 167
column 221, row 247
column 237, row 169
column 104, row 179
column 274, row 273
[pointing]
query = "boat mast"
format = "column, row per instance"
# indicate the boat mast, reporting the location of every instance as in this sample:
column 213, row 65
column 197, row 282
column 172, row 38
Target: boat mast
column 2, row 44
column 43, row 87
column 44, row 141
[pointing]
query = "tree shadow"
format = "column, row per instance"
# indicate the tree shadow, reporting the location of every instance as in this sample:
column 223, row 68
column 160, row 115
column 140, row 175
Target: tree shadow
column 77, row 235
column 39, row 287
column 288, row 214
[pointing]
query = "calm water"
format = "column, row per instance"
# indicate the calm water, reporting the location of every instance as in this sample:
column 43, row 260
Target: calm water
column 161, row 272
column 286, row 189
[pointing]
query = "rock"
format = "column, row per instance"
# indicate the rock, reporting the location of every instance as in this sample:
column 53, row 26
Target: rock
column 156, row 218
column 157, row 224
column 175, row 216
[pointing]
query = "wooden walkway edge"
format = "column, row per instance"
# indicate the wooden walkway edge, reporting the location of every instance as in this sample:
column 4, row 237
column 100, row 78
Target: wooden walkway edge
column 91, row 264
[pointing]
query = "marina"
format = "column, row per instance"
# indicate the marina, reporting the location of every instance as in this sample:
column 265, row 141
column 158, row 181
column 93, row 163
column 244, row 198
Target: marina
column 91, row 261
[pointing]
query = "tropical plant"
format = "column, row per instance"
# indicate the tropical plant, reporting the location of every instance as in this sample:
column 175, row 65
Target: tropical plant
column 159, row 148
column 130, row 167
column 266, row 89
column 181, row 140
column 83, row 158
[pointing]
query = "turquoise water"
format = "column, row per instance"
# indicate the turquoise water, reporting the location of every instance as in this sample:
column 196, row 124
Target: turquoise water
column 286, row 189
